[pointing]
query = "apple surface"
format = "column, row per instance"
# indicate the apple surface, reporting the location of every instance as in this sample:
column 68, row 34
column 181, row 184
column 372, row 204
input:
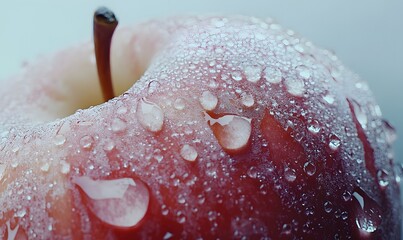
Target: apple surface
column 223, row 127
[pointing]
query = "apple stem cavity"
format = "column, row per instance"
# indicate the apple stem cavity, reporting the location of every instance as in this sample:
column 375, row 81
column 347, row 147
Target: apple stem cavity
column 105, row 24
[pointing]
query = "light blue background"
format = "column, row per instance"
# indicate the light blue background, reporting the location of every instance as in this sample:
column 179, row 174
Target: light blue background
column 366, row 34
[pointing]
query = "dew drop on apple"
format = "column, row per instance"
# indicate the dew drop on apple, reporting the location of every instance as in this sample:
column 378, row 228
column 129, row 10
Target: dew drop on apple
column 290, row 174
column 383, row 178
column 59, row 139
column 208, row 101
column 232, row 131
column 287, row 228
column 188, row 153
column 273, row 75
column 118, row 125
column 303, row 72
column 309, row 168
column 295, row 86
column 247, row 99
column 179, row 104
column 236, row 75
column 108, row 145
column 334, row 142
column 167, row 236
column 119, row 202
column 328, row 206
column 150, row 115
column 346, row 196
column 367, row 213
column 45, row 167
column 180, row 216
column 253, row 73
column 314, row 127
column 328, row 99
column 86, row 142
column 64, row 167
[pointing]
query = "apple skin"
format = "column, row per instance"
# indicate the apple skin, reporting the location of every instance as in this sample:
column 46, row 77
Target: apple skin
column 235, row 128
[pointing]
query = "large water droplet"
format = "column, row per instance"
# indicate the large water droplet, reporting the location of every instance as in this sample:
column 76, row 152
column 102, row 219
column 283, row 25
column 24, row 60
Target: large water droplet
column 334, row 142
column 118, row 125
column 273, row 75
column 295, row 86
column 253, row 73
column 86, row 142
column 290, row 174
column 309, row 168
column 120, row 202
column 367, row 214
column 59, row 139
column 236, row 75
column 150, row 115
column 179, row 104
column 232, row 131
column 359, row 113
column 64, row 167
column 247, row 99
column 303, row 72
column 314, row 127
column 188, row 152
column 208, row 101
column 328, row 99
column 328, row 207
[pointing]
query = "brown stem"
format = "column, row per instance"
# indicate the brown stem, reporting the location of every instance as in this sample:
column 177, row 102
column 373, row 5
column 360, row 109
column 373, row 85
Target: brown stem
column 105, row 24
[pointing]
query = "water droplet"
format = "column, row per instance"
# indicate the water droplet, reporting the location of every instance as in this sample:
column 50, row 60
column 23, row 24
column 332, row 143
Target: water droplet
column 11, row 233
column 120, row 202
column 232, row 131
column 346, row 196
column 328, row 207
column 367, row 214
column 86, row 142
column 314, row 127
column 334, row 142
column 295, row 86
column 59, row 140
column 286, row 229
column 252, row 73
column 252, row 172
column 181, row 217
column 290, row 174
column 44, row 168
column 208, row 101
column 273, row 75
column 109, row 144
column 150, row 115
column 309, row 168
column 329, row 99
column 167, row 236
column 383, row 178
column 236, row 75
column 247, row 99
column 359, row 113
column 118, row 125
column 164, row 210
column 188, row 153
column 65, row 167
column 153, row 86
column 303, row 72
column 179, row 104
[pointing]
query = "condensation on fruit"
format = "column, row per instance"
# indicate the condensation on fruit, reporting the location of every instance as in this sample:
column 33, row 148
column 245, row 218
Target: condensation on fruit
column 150, row 115
column 119, row 202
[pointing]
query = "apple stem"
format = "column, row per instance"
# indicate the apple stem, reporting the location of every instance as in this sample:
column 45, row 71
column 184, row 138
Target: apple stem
column 105, row 24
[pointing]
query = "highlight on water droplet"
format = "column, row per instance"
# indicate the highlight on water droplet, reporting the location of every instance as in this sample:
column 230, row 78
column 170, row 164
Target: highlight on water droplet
column 236, row 75
column 309, row 168
column 247, row 99
column 367, row 213
column 188, row 153
column 314, row 127
column 303, row 72
column 86, row 142
column 334, row 142
column 150, row 115
column 232, row 131
column 208, row 101
column 120, row 202
column 295, row 86
column 59, row 139
column 383, row 178
column 253, row 73
column 290, row 174
column 118, row 125
column 273, row 75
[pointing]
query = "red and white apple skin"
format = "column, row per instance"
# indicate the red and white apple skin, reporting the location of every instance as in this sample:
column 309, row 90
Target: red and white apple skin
column 236, row 128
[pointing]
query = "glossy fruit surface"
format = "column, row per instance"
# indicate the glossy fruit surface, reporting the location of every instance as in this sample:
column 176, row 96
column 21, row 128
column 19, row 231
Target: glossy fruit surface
column 236, row 128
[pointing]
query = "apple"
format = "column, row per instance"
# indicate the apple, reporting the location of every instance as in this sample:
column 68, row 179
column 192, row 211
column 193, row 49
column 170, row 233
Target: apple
column 222, row 127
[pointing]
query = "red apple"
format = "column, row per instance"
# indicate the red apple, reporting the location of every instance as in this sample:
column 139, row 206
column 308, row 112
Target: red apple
column 234, row 128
